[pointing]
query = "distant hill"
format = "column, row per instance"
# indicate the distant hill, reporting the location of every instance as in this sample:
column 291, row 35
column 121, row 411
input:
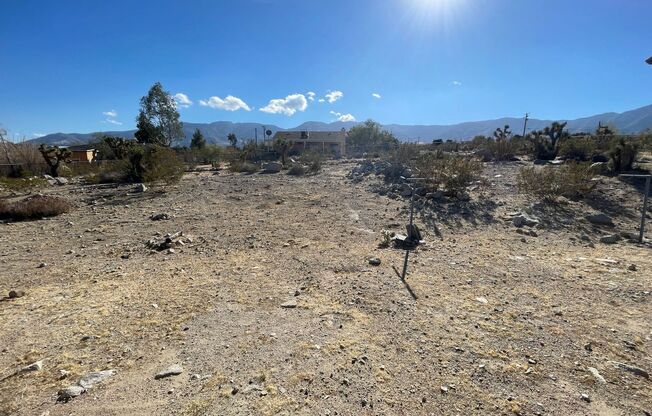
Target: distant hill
column 629, row 122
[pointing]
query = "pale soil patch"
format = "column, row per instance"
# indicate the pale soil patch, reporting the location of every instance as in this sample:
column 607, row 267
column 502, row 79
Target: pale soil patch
column 356, row 343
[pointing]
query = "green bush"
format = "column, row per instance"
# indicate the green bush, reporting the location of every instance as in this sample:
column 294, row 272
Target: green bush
column 581, row 149
column 501, row 150
column 571, row 180
column 153, row 163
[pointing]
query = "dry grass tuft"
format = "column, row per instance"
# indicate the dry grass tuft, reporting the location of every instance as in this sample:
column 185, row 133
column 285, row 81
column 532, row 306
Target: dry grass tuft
column 35, row 207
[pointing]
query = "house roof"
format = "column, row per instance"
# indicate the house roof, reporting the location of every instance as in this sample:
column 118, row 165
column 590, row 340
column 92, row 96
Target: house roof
column 312, row 136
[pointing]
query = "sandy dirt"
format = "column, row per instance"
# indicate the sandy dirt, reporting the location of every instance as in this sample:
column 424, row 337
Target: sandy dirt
column 503, row 323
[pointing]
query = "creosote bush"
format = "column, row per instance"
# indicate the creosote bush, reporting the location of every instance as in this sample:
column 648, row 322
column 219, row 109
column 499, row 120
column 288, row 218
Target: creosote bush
column 35, row 207
column 571, row 180
column 239, row 166
column 297, row 170
column 449, row 173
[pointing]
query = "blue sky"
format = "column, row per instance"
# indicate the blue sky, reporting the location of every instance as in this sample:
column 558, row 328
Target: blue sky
column 82, row 66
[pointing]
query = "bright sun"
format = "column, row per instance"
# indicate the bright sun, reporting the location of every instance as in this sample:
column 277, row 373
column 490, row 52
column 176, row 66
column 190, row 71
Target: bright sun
column 433, row 12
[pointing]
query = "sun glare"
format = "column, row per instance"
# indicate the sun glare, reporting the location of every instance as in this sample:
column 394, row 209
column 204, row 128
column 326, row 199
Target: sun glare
column 433, row 13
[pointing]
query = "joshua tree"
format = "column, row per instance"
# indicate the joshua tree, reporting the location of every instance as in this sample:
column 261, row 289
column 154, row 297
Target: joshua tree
column 119, row 146
column 53, row 156
column 282, row 146
column 233, row 140
column 502, row 134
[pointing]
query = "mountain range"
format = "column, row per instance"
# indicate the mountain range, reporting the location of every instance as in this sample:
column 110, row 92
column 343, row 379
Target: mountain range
column 629, row 122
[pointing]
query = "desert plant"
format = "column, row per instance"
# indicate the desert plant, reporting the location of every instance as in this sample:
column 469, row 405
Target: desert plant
column 54, row 156
column 452, row 174
column 158, row 120
column 152, row 163
column 240, row 166
column 282, row 146
column 370, row 137
column 197, row 142
column 571, row 180
column 578, row 148
column 297, row 170
column 35, row 207
column 119, row 147
column 233, row 140
column 546, row 141
column 313, row 160
column 623, row 154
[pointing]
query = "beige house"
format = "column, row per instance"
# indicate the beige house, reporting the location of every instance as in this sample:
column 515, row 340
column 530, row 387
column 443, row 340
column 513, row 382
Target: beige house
column 322, row 141
column 82, row 154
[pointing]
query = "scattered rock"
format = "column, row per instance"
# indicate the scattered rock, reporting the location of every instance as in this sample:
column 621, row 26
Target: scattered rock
column 444, row 389
column 70, row 392
column 586, row 397
column 159, row 217
column 290, row 304
column 632, row 369
column 63, row 374
column 632, row 267
column 596, row 374
column 610, row 239
column 173, row 370
column 600, row 219
column 91, row 379
column 37, row 366
column 61, row 181
column 14, row 294
column 272, row 167
column 521, row 220
column 374, row 261
column 141, row 188
column 42, row 265
column 482, row 300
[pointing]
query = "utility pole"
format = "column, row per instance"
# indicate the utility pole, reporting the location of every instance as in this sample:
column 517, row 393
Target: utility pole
column 527, row 117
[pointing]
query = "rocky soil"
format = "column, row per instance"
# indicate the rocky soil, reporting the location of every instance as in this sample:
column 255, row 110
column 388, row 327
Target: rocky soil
column 232, row 294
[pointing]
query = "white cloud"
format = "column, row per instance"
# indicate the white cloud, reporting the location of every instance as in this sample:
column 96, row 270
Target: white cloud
column 376, row 95
column 288, row 105
column 321, row 100
column 110, row 117
column 182, row 100
column 230, row 103
column 311, row 95
column 457, row 83
column 333, row 96
column 343, row 117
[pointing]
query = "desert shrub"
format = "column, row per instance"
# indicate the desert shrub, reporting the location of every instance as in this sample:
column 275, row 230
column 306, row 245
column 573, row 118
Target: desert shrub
column 313, row 160
column 571, row 180
column 623, row 154
column 35, row 207
column 152, row 163
column 398, row 161
column 452, row 174
column 297, row 170
column 578, row 148
column 501, row 150
column 239, row 166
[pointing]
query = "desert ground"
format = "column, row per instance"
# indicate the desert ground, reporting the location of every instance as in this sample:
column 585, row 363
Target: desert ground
column 270, row 306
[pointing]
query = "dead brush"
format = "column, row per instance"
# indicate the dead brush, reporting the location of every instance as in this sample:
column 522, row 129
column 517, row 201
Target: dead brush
column 35, row 207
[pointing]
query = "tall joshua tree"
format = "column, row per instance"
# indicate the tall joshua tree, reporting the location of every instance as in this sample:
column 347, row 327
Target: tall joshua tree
column 53, row 156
